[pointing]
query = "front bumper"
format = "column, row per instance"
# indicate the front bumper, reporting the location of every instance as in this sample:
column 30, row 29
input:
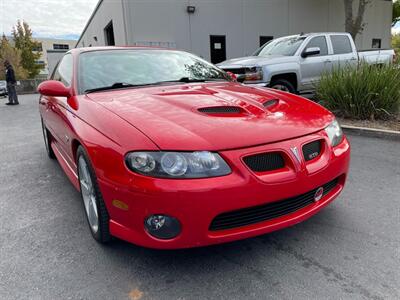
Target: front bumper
column 196, row 202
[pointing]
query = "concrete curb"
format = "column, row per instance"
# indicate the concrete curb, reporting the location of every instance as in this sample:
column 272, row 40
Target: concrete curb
column 372, row 132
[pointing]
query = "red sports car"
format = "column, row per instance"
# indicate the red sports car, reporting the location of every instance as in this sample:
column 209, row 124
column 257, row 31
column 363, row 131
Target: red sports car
column 168, row 151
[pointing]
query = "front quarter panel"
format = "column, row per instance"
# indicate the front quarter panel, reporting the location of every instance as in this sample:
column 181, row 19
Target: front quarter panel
column 272, row 70
column 105, row 137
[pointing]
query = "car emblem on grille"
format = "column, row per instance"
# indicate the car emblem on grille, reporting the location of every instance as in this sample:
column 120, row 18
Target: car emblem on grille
column 313, row 155
column 318, row 194
column 295, row 151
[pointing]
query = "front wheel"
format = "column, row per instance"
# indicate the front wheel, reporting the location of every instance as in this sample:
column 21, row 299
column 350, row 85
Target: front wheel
column 283, row 85
column 95, row 208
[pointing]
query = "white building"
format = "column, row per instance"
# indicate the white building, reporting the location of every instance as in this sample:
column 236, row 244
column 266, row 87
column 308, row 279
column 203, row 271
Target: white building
column 219, row 29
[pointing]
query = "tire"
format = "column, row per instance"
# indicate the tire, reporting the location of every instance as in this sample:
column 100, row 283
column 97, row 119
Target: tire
column 47, row 142
column 283, row 85
column 93, row 203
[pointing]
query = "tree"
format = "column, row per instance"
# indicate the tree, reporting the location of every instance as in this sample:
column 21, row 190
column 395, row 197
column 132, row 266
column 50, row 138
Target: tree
column 22, row 36
column 354, row 24
column 396, row 12
column 13, row 55
column 396, row 43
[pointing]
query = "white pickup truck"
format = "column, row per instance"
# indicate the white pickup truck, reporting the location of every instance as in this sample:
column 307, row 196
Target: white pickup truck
column 296, row 63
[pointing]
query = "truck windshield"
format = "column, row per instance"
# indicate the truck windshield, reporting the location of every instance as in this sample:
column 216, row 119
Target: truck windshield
column 286, row 46
column 107, row 69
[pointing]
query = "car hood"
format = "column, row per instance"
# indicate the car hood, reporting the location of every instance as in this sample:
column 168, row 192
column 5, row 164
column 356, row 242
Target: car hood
column 181, row 117
column 256, row 61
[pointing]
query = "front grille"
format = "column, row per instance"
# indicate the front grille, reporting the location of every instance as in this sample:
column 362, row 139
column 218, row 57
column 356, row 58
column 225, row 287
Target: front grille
column 265, row 162
column 220, row 110
column 237, row 71
column 252, row 215
column 312, row 150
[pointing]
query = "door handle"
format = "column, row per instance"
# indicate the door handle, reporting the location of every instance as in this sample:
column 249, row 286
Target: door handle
column 328, row 61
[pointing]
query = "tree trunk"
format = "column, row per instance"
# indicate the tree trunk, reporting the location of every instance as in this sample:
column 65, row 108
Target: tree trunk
column 355, row 25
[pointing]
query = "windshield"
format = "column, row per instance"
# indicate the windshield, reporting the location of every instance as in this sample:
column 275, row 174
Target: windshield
column 286, row 46
column 2, row 83
column 118, row 68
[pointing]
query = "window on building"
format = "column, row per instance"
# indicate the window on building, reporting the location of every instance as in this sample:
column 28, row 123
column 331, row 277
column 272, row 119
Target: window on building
column 40, row 62
column 39, row 47
column 60, row 46
column 265, row 39
column 109, row 34
column 63, row 72
column 376, row 43
column 320, row 42
column 341, row 44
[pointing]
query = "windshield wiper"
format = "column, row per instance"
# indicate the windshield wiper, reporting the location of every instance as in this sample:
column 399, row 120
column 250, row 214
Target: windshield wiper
column 190, row 80
column 121, row 85
column 117, row 85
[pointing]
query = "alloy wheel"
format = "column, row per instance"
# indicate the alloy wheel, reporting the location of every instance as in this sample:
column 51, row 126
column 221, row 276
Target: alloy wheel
column 88, row 195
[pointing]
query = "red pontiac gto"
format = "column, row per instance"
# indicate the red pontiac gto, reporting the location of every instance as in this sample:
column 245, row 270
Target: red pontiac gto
column 168, row 151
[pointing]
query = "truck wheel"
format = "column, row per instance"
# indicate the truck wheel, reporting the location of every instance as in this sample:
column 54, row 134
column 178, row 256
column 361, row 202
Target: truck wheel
column 95, row 208
column 283, row 85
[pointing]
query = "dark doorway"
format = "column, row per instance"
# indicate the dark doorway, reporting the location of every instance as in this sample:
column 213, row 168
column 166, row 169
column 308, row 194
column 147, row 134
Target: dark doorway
column 265, row 39
column 109, row 34
column 218, row 48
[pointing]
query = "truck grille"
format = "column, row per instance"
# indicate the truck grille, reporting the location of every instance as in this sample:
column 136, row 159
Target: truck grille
column 252, row 215
column 265, row 162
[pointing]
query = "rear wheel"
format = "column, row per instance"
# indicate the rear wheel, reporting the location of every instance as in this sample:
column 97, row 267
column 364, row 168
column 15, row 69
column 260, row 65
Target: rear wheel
column 95, row 208
column 47, row 142
column 283, row 85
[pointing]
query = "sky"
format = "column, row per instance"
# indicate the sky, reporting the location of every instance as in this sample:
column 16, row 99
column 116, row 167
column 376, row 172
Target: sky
column 64, row 19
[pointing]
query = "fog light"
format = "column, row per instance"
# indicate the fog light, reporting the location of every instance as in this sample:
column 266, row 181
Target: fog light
column 162, row 227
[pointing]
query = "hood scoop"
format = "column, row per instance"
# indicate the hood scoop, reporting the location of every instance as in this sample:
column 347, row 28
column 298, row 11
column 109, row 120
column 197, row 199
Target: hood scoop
column 271, row 103
column 222, row 110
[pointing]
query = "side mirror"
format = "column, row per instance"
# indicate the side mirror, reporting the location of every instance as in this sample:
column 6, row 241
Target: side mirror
column 310, row 52
column 53, row 88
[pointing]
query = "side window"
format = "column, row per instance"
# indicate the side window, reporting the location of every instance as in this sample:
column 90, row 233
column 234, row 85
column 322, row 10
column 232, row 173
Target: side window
column 341, row 44
column 320, row 42
column 64, row 69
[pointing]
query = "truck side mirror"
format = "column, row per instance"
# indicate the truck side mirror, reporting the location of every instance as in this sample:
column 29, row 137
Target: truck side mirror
column 310, row 52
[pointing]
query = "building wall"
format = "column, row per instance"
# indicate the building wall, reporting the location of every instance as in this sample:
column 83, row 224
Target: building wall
column 166, row 22
column 106, row 11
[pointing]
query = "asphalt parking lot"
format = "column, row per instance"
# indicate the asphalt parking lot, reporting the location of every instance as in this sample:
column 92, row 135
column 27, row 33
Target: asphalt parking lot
column 351, row 250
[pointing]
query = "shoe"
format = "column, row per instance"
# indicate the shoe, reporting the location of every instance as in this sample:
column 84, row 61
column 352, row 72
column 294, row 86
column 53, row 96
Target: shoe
column 16, row 103
column 9, row 103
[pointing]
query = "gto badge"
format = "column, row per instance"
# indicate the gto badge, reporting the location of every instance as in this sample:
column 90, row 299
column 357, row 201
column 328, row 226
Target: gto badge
column 295, row 151
column 318, row 194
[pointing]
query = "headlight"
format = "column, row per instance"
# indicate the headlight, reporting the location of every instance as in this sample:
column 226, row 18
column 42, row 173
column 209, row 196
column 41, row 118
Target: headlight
column 334, row 133
column 252, row 74
column 199, row 164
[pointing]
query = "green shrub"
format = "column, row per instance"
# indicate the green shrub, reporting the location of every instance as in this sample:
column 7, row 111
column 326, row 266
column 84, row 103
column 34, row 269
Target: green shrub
column 366, row 92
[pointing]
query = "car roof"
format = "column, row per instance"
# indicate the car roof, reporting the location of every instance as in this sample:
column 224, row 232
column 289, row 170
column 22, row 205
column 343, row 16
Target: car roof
column 104, row 48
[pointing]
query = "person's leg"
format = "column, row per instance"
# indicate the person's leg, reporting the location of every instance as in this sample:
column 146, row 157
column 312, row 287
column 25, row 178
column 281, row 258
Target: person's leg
column 15, row 95
column 10, row 95
column 13, row 98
